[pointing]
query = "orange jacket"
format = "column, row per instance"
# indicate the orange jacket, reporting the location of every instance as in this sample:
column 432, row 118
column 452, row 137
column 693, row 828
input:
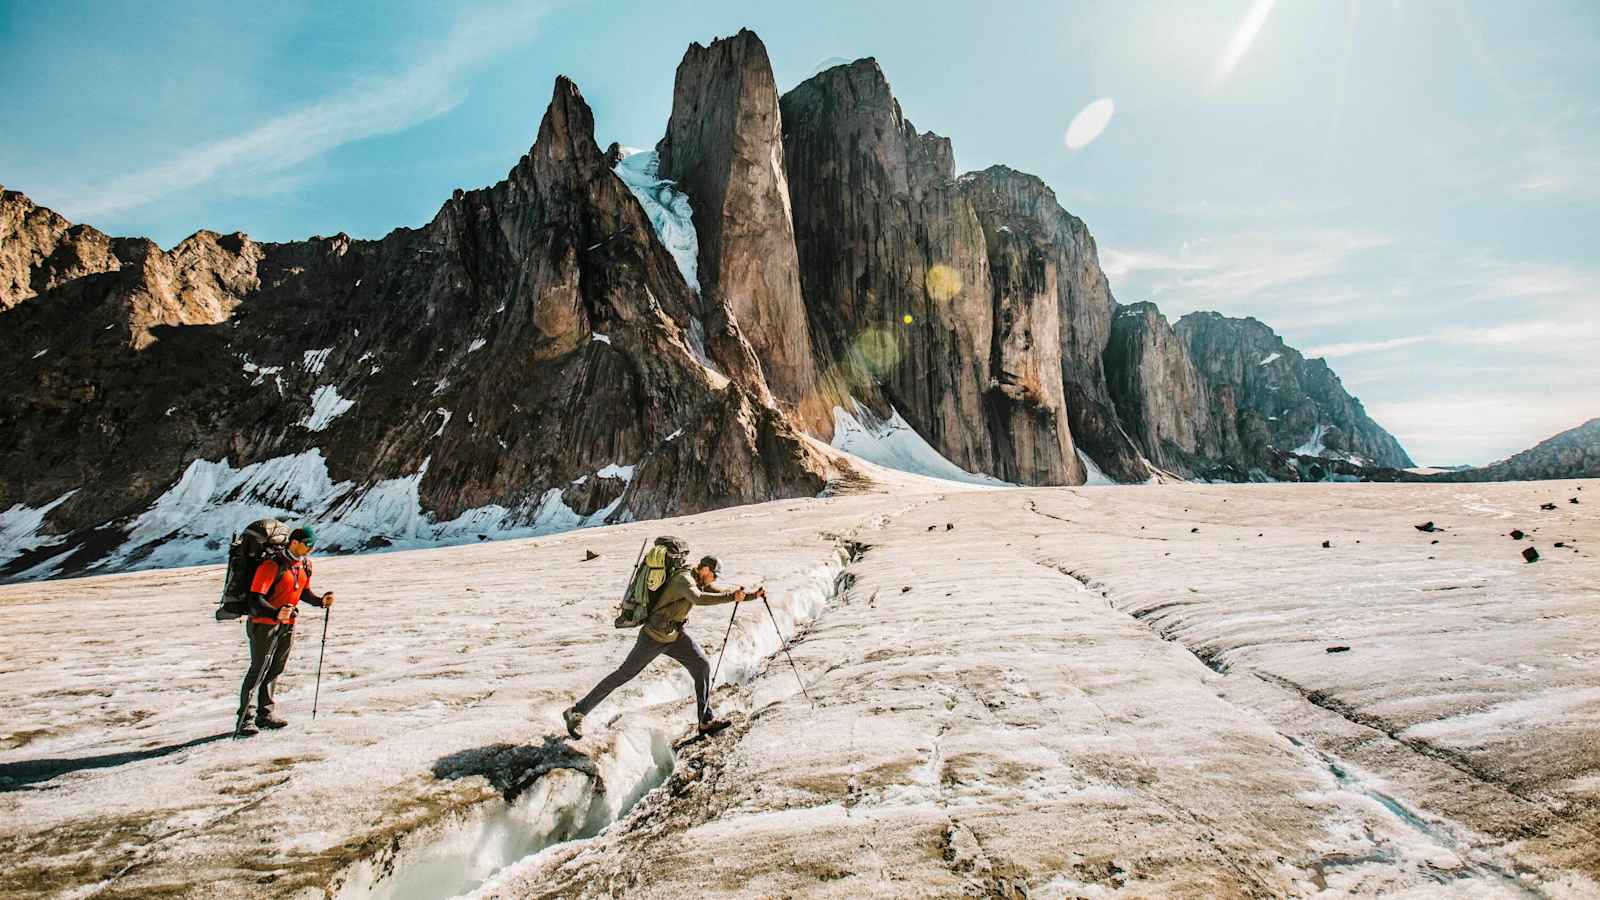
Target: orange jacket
column 282, row 586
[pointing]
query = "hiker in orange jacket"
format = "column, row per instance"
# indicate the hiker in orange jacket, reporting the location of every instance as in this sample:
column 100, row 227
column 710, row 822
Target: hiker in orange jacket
column 280, row 583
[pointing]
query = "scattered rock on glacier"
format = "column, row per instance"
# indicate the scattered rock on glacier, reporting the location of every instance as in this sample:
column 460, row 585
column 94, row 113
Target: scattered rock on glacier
column 590, row 554
column 1340, row 648
column 1516, row 534
column 1530, row 554
column 1426, row 526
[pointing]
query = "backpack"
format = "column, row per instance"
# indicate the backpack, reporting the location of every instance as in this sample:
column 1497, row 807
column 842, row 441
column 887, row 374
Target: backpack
column 259, row 541
column 667, row 558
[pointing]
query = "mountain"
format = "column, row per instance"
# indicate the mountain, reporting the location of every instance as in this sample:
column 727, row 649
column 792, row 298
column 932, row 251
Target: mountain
column 614, row 335
column 521, row 363
column 1574, row 453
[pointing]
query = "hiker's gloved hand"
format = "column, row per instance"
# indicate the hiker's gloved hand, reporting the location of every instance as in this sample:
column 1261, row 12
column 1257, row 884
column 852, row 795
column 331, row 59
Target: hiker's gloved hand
column 285, row 615
column 738, row 595
column 761, row 592
column 327, row 600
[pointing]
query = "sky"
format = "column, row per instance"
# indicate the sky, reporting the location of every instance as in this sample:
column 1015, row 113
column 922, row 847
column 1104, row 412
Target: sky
column 1407, row 188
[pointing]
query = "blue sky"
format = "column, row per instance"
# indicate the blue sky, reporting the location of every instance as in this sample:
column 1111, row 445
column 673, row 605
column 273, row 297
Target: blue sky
column 1408, row 188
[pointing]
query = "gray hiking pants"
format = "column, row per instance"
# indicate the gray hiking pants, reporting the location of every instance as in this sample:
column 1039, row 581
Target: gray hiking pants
column 269, row 653
column 647, row 648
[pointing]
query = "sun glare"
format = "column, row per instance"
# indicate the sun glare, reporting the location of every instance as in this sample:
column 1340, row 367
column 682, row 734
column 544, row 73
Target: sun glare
column 1243, row 37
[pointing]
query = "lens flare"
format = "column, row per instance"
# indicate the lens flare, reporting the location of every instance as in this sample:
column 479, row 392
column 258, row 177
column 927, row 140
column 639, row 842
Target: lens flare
column 1089, row 123
column 877, row 350
column 942, row 282
column 906, row 318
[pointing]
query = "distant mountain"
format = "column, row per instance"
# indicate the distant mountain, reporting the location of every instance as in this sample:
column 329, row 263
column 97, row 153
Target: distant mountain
column 1571, row 454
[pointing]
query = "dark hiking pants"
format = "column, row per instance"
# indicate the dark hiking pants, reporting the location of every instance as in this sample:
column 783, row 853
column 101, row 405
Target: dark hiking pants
column 647, row 648
column 269, row 653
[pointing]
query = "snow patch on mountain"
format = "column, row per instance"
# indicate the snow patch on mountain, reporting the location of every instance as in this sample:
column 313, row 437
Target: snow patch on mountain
column 19, row 528
column 668, row 210
column 894, row 444
column 1095, row 476
column 314, row 360
column 192, row 522
column 326, row 405
column 1313, row 446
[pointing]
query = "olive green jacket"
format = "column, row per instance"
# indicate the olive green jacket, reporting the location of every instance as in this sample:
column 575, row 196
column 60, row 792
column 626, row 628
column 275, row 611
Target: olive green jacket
column 679, row 596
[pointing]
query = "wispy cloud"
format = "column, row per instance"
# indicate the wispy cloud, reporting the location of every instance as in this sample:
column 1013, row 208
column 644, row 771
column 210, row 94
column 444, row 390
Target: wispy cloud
column 1493, row 424
column 385, row 104
column 1230, row 270
column 1355, row 348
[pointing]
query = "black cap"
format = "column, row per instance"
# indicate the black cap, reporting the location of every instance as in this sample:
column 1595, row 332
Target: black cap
column 711, row 563
column 305, row 534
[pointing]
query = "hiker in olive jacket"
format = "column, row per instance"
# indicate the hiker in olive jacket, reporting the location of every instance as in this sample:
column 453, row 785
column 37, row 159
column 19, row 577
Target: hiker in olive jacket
column 663, row 634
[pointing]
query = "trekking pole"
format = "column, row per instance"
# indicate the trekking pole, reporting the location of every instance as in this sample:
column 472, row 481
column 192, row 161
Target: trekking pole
column 724, row 645
column 318, row 694
column 786, row 650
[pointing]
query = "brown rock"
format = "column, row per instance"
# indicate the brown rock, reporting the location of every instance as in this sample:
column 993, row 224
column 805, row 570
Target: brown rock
column 724, row 147
column 885, row 233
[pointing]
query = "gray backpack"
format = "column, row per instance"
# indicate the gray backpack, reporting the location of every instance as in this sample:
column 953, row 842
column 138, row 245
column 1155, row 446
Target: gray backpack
column 667, row 558
column 260, row 540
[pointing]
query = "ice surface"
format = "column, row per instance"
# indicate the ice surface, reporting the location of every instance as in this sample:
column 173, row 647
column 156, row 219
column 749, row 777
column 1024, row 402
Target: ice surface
column 668, row 210
column 895, row 444
column 1069, row 692
column 326, row 405
column 1272, row 358
column 476, row 345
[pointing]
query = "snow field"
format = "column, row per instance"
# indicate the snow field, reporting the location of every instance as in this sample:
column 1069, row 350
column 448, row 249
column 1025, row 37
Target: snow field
column 1069, row 691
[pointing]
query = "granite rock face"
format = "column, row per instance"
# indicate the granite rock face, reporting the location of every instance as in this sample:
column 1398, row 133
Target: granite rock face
column 895, row 270
column 724, row 148
column 40, row 250
column 1039, row 250
column 521, row 354
column 1267, row 394
column 1157, row 392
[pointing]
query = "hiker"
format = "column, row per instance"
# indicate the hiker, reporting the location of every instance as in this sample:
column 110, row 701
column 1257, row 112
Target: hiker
column 663, row 633
column 281, row 582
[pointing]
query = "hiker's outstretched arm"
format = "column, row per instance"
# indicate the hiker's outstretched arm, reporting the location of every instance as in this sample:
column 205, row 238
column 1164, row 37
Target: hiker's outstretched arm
column 711, row 598
column 307, row 597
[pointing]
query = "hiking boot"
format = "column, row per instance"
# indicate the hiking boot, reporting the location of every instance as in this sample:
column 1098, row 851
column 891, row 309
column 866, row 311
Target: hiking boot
column 574, row 720
column 270, row 721
column 245, row 728
column 712, row 725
